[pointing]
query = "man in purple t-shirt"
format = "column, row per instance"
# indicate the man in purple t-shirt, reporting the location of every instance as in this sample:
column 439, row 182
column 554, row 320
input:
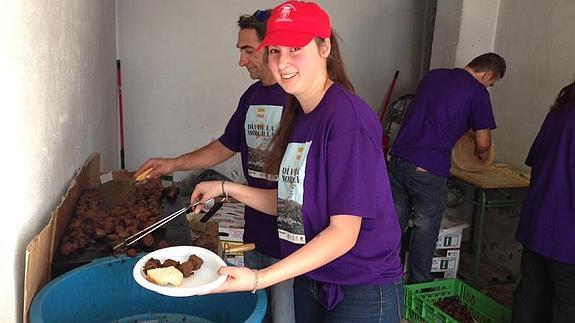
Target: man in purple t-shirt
column 249, row 131
column 546, row 292
column 447, row 103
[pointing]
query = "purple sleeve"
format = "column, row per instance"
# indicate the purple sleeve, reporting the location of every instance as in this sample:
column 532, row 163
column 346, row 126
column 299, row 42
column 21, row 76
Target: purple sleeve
column 352, row 172
column 482, row 112
column 233, row 133
column 536, row 146
column 529, row 161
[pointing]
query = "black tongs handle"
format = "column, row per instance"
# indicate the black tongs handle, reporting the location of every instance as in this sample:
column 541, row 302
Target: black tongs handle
column 211, row 212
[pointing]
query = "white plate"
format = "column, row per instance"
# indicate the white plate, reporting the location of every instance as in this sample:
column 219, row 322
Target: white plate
column 203, row 280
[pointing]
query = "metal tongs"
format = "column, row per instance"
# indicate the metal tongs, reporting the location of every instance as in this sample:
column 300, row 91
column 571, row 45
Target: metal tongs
column 142, row 233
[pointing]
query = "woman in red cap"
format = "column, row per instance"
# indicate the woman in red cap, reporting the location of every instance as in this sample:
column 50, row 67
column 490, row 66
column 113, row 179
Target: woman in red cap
column 336, row 220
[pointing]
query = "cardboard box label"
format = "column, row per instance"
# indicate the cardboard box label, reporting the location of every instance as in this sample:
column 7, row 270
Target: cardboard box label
column 231, row 234
column 448, row 263
column 450, row 235
column 449, row 240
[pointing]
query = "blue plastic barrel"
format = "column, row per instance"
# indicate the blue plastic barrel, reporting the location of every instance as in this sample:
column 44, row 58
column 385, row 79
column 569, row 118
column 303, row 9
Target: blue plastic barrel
column 105, row 291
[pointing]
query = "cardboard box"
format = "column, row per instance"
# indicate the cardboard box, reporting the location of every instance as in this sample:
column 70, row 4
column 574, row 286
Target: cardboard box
column 451, row 234
column 227, row 225
column 231, row 234
column 205, row 235
column 230, row 219
column 446, row 262
column 449, row 239
column 231, row 215
column 41, row 251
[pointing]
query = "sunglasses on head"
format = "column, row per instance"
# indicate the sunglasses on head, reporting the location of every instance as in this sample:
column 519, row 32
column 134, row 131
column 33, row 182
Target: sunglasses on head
column 261, row 15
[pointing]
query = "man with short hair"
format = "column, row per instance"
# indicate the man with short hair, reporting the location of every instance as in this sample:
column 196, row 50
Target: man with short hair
column 249, row 131
column 447, row 103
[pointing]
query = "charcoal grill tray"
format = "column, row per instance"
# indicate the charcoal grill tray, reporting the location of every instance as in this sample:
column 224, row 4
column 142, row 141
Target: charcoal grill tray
column 175, row 233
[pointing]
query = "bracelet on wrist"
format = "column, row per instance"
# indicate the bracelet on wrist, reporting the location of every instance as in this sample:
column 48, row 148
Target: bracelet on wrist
column 256, row 280
column 225, row 192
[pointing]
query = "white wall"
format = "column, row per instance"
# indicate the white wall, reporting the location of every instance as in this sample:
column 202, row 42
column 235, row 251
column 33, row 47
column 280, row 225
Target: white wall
column 182, row 81
column 463, row 30
column 536, row 38
column 58, row 107
column 446, row 33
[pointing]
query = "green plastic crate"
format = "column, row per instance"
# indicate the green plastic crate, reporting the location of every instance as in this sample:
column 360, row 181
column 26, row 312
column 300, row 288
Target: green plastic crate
column 420, row 299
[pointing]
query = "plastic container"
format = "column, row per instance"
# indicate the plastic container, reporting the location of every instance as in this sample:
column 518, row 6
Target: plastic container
column 105, row 291
column 420, row 299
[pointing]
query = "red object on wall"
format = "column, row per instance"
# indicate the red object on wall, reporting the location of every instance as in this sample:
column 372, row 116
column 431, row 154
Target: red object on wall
column 121, row 113
column 384, row 109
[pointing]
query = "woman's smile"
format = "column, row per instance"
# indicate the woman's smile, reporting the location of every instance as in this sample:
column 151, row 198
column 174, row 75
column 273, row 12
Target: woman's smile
column 287, row 76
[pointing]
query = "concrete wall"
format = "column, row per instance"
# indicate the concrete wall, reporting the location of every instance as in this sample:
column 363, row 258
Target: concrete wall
column 463, row 30
column 182, row 81
column 536, row 38
column 446, row 33
column 58, row 107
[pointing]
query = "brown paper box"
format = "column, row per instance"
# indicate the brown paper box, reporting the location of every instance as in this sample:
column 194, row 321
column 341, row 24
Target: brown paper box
column 41, row 250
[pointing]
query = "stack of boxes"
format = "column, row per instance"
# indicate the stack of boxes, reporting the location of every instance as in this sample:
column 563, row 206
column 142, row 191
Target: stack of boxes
column 446, row 260
column 230, row 220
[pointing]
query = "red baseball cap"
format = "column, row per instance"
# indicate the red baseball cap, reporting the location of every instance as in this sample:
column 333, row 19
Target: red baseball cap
column 295, row 24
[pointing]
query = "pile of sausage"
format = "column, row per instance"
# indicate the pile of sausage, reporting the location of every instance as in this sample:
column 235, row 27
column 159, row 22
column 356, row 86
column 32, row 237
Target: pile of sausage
column 93, row 225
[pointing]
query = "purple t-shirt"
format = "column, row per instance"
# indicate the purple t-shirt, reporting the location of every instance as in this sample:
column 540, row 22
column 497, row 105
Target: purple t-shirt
column 334, row 165
column 249, row 131
column 447, row 103
column 547, row 224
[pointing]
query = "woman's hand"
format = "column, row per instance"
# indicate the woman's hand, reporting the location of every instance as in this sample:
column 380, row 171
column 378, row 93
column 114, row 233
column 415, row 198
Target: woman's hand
column 205, row 191
column 240, row 279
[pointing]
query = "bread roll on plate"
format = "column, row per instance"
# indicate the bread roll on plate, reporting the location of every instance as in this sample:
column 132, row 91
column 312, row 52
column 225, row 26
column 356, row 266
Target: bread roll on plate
column 164, row 276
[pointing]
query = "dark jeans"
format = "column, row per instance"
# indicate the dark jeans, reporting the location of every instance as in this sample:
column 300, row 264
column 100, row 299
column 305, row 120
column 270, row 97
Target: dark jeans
column 546, row 291
column 360, row 303
column 426, row 194
column 280, row 296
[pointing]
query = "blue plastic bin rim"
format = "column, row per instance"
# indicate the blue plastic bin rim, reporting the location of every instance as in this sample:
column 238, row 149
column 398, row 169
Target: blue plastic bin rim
column 36, row 310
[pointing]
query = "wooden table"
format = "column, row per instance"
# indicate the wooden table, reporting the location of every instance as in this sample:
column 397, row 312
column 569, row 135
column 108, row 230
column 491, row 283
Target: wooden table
column 492, row 190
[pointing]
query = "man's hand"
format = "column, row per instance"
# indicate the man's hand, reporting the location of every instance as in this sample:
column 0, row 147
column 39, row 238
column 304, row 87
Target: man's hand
column 158, row 166
column 481, row 155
